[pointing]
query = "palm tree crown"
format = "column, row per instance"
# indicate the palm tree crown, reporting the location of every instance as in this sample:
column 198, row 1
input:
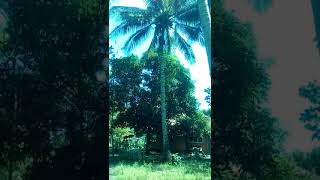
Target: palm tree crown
column 165, row 21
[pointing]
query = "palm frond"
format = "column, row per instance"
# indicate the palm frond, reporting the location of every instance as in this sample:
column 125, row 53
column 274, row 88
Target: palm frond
column 176, row 4
column 188, row 15
column 194, row 34
column 179, row 5
column 153, row 5
column 132, row 14
column 155, row 40
column 125, row 28
column 185, row 48
column 137, row 38
column 118, row 10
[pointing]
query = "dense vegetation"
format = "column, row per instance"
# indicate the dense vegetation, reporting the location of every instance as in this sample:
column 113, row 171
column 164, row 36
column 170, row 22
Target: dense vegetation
column 247, row 139
column 134, row 89
column 53, row 109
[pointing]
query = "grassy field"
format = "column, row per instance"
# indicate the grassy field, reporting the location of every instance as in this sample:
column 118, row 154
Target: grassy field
column 188, row 170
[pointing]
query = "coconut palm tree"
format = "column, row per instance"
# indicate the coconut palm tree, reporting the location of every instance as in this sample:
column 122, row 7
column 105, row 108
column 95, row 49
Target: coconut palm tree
column 205, row 21
column 201, row 11
column 166, row 22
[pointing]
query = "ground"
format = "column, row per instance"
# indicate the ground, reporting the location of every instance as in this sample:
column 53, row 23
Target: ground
column 187, row 170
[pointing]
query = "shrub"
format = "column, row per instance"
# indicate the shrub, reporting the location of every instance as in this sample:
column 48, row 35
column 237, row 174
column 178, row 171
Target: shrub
column 197, row 153
column 136, row 142
column 117, row 138
column 132, row 155
column 176, row 159
column 284, row 168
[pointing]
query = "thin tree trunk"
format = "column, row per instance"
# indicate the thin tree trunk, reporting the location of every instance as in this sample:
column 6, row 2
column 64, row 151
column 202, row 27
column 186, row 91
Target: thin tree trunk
column 111, row 127
column 112, row 143
column 15, row 115
column 10, row 170
column 165, row 142
column 147, row 145
column 205, row 21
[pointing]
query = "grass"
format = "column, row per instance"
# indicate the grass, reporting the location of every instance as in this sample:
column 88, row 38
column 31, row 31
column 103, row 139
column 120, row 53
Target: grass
column 188, row 170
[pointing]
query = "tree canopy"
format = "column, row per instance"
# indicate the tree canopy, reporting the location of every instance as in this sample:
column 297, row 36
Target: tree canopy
column 134, row 89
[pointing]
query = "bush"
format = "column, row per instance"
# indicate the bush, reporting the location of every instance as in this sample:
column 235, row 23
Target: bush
column 283, row 168
column 136, row 142
column 124, row 139
column 197, row 153
column 176, row 159
column 117, row 136
column 135, row 154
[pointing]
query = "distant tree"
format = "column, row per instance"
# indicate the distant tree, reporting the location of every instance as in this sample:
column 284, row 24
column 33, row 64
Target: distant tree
column 310, row 117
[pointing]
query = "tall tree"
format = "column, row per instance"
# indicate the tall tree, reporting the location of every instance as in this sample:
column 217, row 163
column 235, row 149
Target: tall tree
column 205, row 21
column 165, row 21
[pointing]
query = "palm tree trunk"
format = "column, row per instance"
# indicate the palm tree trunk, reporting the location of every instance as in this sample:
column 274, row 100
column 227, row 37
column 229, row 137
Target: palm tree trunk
column 205, row 21
column 165, row 141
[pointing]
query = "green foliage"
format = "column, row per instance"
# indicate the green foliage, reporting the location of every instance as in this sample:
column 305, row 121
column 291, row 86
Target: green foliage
column 196, row 125
column 135, row 90
column 245, row 134
column 197, row 153
column 283, row 168
column 308, row 161
column 53, row 109
column 303, row 160
column 280, row 168
column 119, row 143
column 125, row 78
column 137, row 142
column 176, row 159
column 310, row 117
column 118, row 135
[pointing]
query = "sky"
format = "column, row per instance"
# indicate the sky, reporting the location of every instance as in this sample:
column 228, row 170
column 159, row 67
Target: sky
column 199, row 71
column 286, row 33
